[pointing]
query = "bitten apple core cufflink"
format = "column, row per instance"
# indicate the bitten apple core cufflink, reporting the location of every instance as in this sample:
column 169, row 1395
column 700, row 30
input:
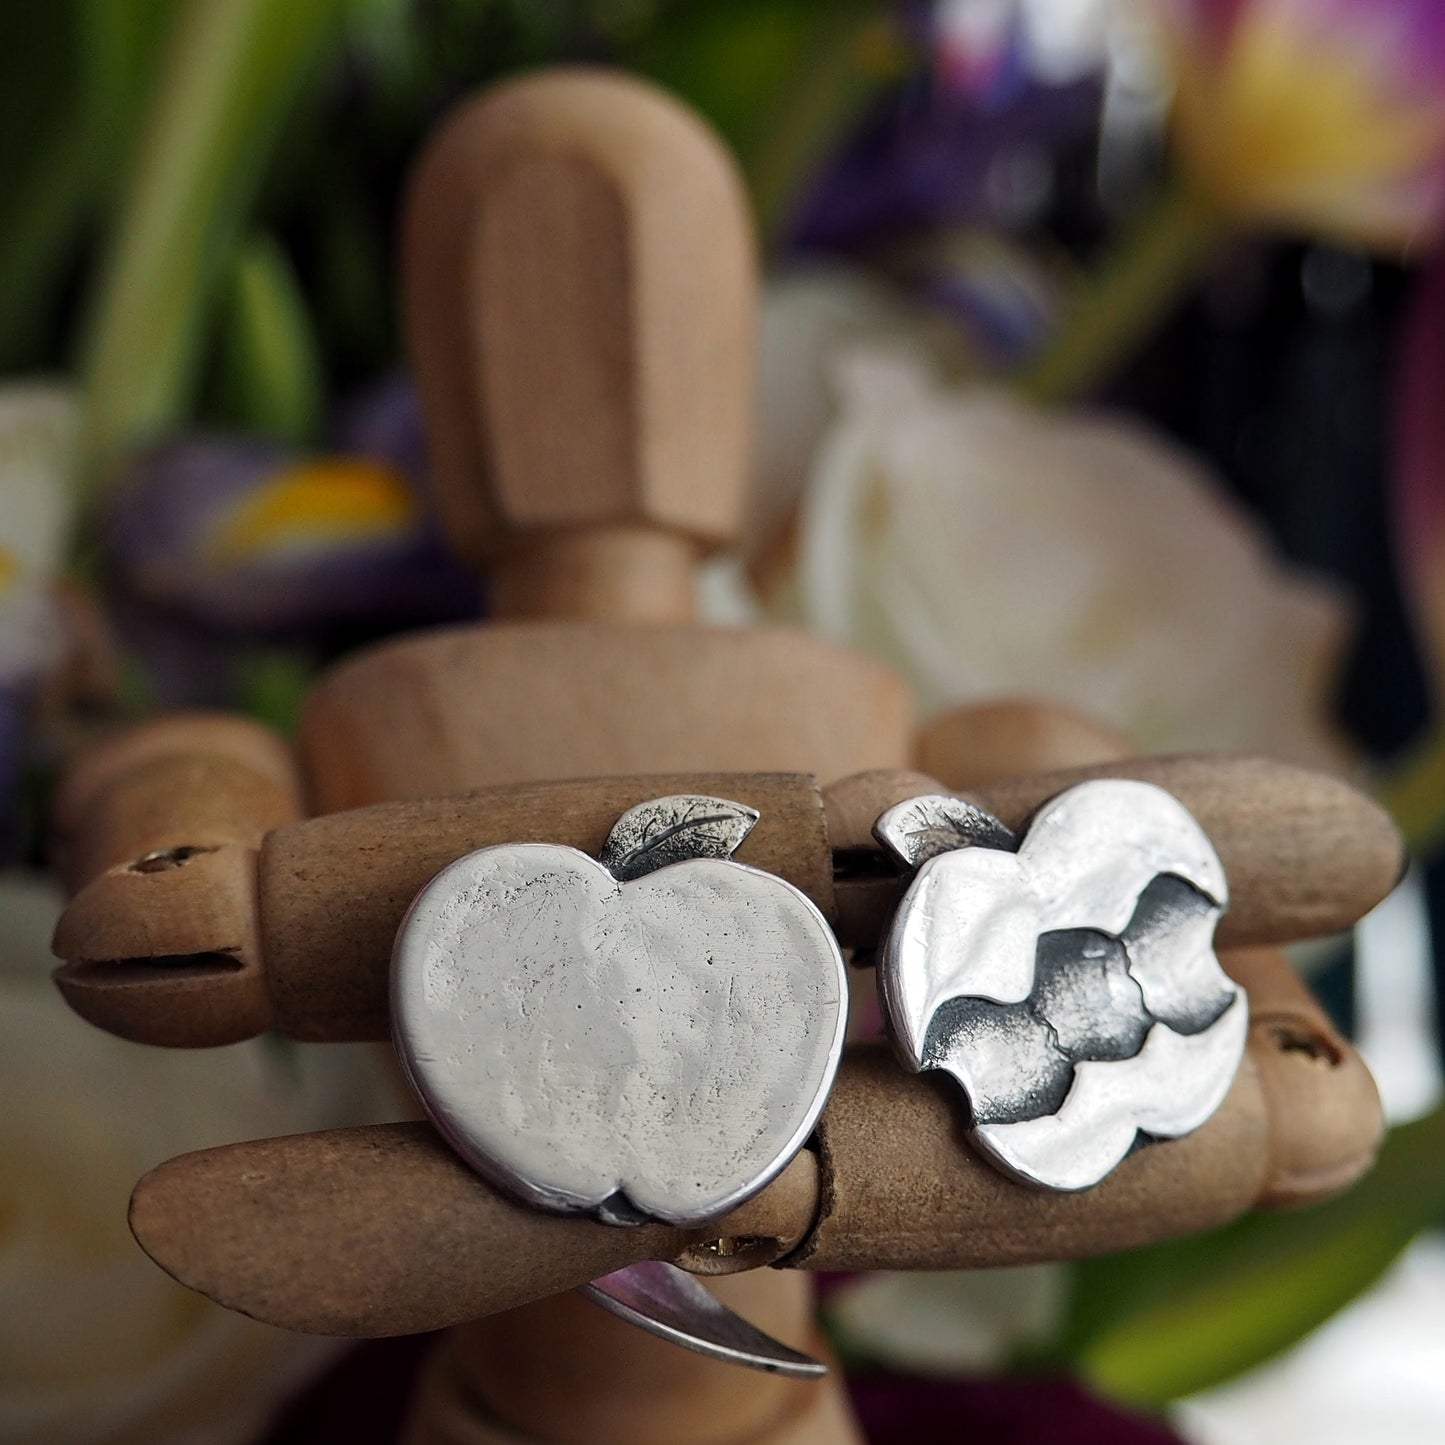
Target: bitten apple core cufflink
column 646, row 1037
column 1066, row 980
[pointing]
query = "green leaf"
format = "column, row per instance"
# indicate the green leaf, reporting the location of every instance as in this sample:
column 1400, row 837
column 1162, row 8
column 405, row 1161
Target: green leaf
column 233, row 71
column 71, row 76
column 39, row 66
column 270, row 377
column 271, row 684
column 1152, row 1326
column 1413, row 793
column 42, row 180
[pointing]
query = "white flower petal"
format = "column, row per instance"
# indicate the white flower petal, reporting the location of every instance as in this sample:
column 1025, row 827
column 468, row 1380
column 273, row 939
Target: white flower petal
column 96, row 1343
column 38, row 429
column 807, row 321
column 987, row 549
column 32, row 631
column 953, row 1321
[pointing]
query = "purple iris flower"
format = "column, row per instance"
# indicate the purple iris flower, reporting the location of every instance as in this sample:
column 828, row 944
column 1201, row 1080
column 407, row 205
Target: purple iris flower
column 245, row 537
column 944, row 151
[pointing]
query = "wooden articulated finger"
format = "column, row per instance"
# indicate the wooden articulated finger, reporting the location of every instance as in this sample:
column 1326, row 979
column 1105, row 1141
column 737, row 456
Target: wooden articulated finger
column 901, row 1190
column 168, row 951
column 1305, row 854
column 158, row 828
column 384, row 1231
column 177, row 784
column 334, row 889
column 152, row 951
column 1326, row 1122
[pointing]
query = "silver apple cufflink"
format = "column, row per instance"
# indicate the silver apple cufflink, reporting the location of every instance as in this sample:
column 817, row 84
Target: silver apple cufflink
column 651, row 1035
column 648, row 1036
column 1066, row 980
column 645, row 1036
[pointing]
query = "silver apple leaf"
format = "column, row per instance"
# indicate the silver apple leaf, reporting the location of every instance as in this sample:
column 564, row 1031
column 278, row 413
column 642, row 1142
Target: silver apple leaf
column 923, row 828
column 672, row 830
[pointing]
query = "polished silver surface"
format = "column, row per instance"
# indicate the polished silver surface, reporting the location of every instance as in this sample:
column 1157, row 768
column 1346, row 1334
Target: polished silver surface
column 650, row 1049
column 668, row 1302
column 1069, row 984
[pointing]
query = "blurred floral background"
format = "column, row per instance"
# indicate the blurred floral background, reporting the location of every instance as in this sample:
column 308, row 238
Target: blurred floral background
column 1102, row 361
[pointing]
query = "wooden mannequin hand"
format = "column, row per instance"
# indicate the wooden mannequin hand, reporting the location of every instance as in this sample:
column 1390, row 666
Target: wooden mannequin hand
column 1305, row 854
column 383, row 1230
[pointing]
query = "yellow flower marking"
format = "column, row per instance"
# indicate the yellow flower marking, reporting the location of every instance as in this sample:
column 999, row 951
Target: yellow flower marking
column 1305, row 129
column 318, row 503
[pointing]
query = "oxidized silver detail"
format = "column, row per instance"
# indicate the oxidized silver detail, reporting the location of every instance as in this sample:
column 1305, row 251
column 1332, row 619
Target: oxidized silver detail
column 650, row 1046
column 1067, row 981
column 671, row 830
column 922, row 828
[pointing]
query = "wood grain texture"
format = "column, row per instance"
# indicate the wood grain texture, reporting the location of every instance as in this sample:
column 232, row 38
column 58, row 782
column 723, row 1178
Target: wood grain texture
column 333, row 889
column 383, row 1230
column 579, row 287
column 983, row 743
column 304, row 1232
column 1306, row 854
column 1325, row 1118
column 530, row 702
column 608, row 574
column 853, row 804
column 170, row 955
column 158, row 827
column 902, row 1189
column 184, row 780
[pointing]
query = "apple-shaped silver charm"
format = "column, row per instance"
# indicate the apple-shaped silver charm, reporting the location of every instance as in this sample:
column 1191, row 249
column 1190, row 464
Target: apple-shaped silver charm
column 646, row 1037
column 1066, row 981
